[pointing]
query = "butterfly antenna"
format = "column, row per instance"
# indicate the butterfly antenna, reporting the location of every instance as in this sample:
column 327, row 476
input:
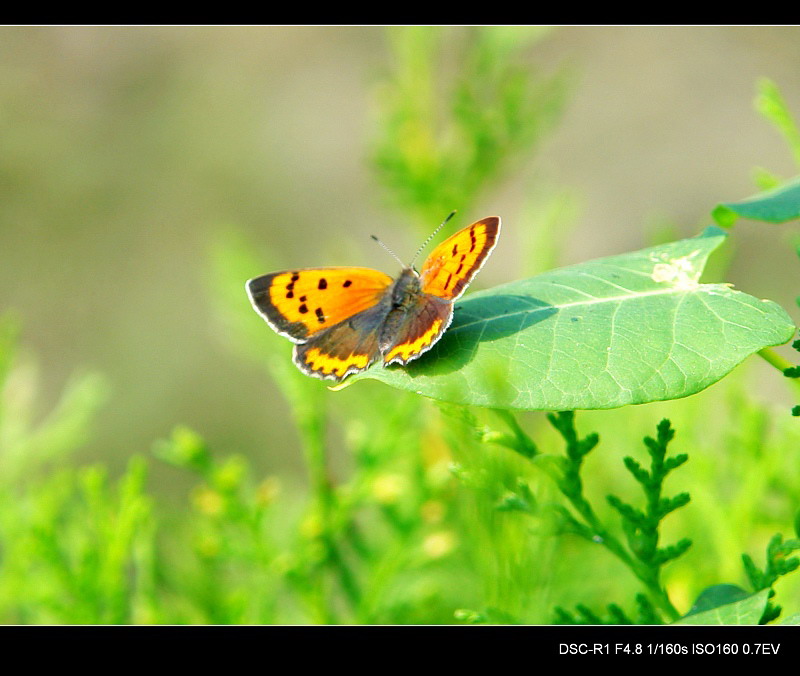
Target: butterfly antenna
column 391, row 253
column 431, row 236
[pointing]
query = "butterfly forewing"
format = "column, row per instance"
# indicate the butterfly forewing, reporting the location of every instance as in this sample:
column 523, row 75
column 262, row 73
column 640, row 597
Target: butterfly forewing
column 452, row 264
column 301, row 303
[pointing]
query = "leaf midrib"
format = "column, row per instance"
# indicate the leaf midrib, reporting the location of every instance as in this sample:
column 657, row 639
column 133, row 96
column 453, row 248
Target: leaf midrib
column 594, row 301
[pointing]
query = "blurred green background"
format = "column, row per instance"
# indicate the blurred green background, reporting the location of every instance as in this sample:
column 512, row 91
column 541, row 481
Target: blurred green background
column 125, row 151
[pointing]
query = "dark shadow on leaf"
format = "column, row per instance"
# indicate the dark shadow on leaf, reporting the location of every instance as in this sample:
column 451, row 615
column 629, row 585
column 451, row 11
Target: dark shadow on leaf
column 479, row 320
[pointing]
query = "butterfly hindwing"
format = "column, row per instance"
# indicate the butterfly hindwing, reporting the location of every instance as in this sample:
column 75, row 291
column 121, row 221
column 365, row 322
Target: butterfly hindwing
column 454, row 262
column 406, row 336
column 300, row 303
column 347, row 347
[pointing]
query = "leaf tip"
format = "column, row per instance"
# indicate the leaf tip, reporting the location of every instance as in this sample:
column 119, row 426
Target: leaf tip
column 724, row 216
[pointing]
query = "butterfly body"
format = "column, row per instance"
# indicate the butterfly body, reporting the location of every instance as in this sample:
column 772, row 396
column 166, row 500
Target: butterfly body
column 345, row 319
column 413, row 315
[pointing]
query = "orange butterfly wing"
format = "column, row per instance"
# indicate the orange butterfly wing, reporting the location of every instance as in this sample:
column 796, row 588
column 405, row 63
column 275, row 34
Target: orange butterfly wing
column 300, row 303
column 452, row 264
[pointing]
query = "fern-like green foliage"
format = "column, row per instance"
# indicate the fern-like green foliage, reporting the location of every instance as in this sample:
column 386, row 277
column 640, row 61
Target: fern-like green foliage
column 76, row 544
column 792, row 372
column 641, row 525
column 449, row 129
column 643, row 555
column 778, row 563
column 645, row 614
column 640, row 551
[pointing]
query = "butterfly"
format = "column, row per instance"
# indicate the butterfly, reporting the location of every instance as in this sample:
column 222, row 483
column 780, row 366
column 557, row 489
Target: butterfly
column 344, row 319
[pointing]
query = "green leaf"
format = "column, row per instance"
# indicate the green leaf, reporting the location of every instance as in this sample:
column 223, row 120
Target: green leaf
column 793, row 620
column 745, row 611
column 716, row 596
column 626, row 329
column 773, row 206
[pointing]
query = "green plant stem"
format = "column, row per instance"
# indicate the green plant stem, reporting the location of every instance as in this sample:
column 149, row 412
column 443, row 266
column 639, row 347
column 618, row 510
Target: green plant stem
column 347, row 579
column 774, row 359
column 310, row 417
column 771, row 357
